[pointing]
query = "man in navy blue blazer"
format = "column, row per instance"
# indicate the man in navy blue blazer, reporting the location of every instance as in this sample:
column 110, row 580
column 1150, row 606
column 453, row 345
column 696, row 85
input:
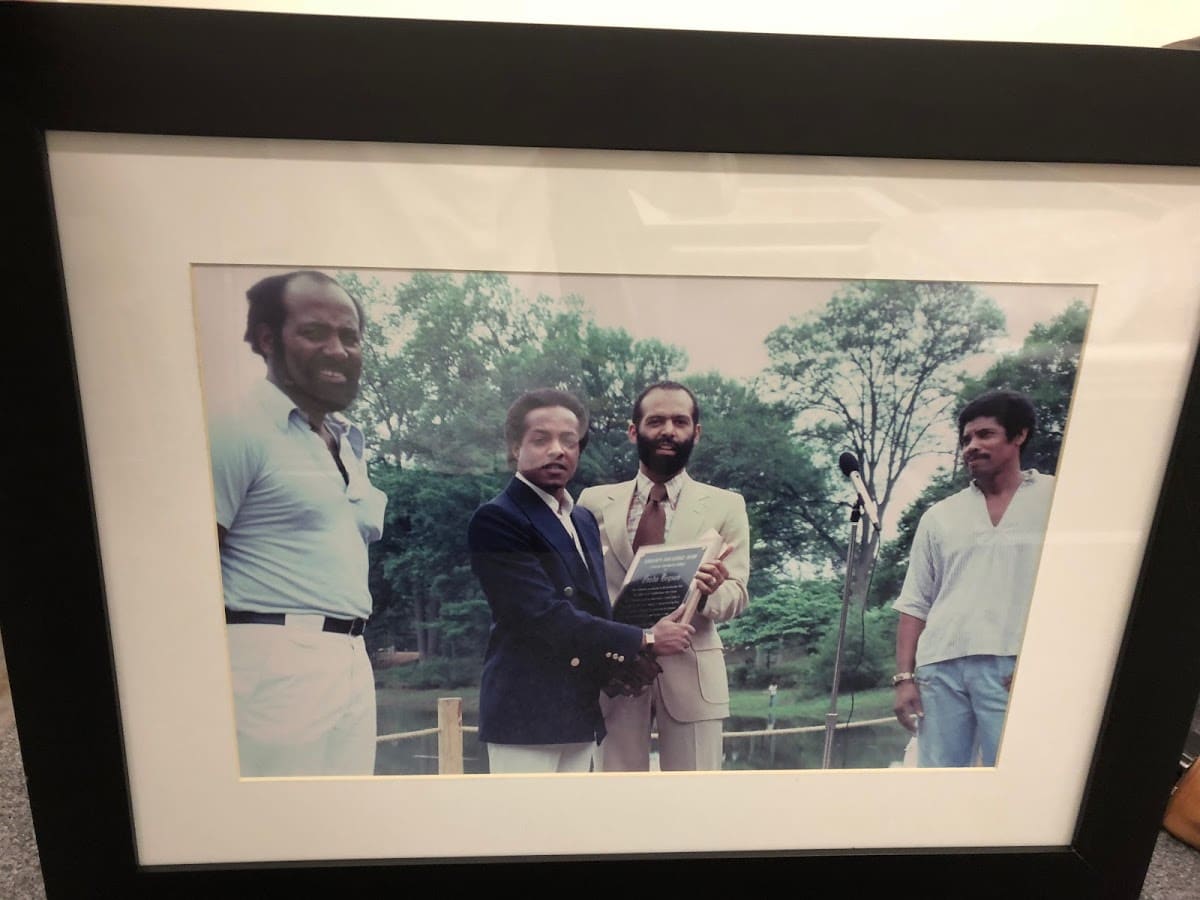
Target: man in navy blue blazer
column 538, row 558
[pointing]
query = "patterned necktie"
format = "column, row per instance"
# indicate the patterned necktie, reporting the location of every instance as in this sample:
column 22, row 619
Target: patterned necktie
column 652, row 527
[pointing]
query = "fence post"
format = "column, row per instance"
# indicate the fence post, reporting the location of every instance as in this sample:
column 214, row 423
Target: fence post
column 450, row 736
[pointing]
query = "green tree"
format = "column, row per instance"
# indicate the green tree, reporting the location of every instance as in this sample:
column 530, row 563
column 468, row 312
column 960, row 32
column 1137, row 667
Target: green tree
column 435, row 351
column 799, row 613
column 868, row 652
column 420, row 569
column 877, row 372
column 445, row 354
column 1044, row 369
column 747, row 445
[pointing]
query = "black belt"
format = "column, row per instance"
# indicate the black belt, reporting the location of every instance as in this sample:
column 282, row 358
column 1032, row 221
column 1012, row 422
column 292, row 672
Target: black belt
column 352, row 627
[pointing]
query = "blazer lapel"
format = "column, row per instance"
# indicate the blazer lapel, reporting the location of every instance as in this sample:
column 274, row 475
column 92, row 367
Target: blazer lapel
column 595, row 558
column 616, row 517
column 690, row 520
column 548, row 526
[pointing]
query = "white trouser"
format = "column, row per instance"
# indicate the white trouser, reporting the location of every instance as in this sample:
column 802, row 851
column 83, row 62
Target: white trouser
column 539, row 759
column 304, row 700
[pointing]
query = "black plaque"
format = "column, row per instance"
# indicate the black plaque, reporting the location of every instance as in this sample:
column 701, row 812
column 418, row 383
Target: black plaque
column 660, row 580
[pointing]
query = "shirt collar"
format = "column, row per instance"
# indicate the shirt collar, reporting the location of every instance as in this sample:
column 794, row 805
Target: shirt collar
column 559, row 508
column 279, row 409
column 673, row 486
column 1028, row 476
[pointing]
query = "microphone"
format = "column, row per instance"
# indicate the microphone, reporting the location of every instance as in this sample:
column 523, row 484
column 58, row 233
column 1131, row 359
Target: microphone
column 848, row 463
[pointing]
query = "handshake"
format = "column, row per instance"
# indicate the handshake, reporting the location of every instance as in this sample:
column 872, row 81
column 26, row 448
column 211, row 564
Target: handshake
column 631, row 677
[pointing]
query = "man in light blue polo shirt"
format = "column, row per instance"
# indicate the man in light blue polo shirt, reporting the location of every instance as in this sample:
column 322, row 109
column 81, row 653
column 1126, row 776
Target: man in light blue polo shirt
column 967, row 591
column 295, row 513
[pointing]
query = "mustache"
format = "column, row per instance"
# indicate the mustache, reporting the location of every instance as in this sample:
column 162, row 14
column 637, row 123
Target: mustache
column 346, row 368
column 353, row 376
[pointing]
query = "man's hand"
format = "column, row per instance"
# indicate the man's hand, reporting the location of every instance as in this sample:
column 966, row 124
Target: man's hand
column 670, row 636
column 631, row 677
column 710, row 576
column 908, row 707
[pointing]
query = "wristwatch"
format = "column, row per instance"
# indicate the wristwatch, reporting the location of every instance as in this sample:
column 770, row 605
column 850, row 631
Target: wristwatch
column 901, row 677
column 648, row 641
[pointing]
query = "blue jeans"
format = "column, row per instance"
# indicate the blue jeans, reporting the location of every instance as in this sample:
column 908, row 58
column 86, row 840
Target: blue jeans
column 965, row 701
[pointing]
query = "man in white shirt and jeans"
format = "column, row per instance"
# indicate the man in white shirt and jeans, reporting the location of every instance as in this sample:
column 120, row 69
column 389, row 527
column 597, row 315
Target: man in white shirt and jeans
column 966, row 595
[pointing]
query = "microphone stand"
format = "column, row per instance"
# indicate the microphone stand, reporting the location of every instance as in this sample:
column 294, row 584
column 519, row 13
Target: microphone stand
column 831, row 717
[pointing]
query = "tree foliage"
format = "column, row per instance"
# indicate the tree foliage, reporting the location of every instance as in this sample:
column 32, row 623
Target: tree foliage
column 432, row 352
column 748, row 445
column 799, row 613
column 425, row 594
column 879, row 367
column 867, row 652
column 1044, row 369
column 445, row 354
column 877, row 371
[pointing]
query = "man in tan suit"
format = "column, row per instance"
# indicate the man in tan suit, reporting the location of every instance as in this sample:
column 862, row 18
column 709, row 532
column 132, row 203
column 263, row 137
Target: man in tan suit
column 689, row 700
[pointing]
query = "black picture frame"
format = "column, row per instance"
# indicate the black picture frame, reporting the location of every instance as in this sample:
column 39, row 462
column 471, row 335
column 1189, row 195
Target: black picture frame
column 201, row 72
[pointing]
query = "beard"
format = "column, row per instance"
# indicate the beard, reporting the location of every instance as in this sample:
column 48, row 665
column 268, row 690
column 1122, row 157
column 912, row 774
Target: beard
column 333, row 397
column 666, row 467
column 302, row 380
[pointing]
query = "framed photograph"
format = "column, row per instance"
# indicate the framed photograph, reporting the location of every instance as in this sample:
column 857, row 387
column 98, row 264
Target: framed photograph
column 138, row 163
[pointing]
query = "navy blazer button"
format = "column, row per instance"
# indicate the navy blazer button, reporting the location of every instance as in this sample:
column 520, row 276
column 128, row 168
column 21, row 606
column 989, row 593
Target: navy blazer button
column 574, row 661
column 568, row 591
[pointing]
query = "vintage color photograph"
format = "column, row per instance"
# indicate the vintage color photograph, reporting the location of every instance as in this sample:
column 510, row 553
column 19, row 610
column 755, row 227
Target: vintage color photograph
column 367, row 587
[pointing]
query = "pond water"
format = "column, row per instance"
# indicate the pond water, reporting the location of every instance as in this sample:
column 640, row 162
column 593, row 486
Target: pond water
column 872, row 746
column 419, row 756
column 868, row 747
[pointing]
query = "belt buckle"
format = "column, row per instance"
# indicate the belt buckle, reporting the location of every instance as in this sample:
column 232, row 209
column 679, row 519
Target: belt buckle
column 356, row 626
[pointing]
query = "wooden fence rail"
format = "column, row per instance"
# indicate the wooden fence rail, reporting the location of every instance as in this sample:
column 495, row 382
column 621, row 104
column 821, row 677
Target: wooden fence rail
column 450, row 730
